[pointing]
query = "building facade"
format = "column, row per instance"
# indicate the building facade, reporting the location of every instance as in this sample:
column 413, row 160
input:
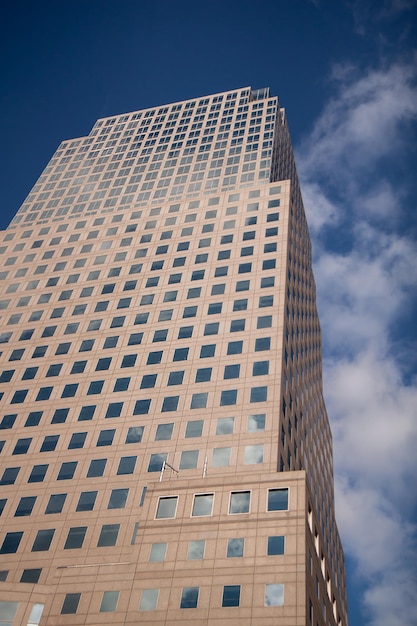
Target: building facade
column 166, row 457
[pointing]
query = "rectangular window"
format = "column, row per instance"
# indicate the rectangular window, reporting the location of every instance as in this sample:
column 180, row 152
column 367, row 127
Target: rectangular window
column 231, row 595
column 108, row 535
column 97, row 467
column 43, row 540
column 277, row 500
column 235, row 547
column 203, row 504
column 149, row 600
column 196, row 550
column 75, row 538
column 164, row 432
column 239, row 502
column 118, row 498
column 67, row 470
column 70, row 604
column 189, row 598
column 274, row 594
column 256, row 422
column 56, row 503
column 167, row 507
column 275, row 545
column 158, row 552
column 86, row 501
column 228, row 397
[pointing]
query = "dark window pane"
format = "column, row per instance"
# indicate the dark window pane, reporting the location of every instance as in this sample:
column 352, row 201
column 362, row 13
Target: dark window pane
column 75, row 538
column 43, row 540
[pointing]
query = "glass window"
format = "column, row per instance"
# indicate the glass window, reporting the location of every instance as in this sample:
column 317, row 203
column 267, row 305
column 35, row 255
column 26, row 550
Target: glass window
column 86, row 501
column 158, row 552
column 75, row 538
column 275, row 545
column 199, row 400
column 235, row 347
column 196, row 550
column 189, row 459
column 43, row 540
column 108, row 535
column 156, row 462
column 31, row 576
column 277, row 499
column 77, row 440
column 239, row 502
column 118, row 498
column 256, row 422
column 258, row 394
column 265, row 301
column 134, row 434
column 207, row 351
column 70, row 604
column 203, row 504
column 262, row 343
column 231, row 371
column 164, row 432
column 231, row 595
column 189, row 598
column 274, row 594
column 126, row 465
column 11, row 543
column 254, row 454
column 235, row 547
column 167, row 506
column 221, row 457
column 149, row 600
column 228, row 397
column 56, row 503
column 170, row 403
column 109, row 601
column 38, row 473
column 9, row 475
column 67, row 470
column 105, row 437
column 97, row 467
column 25, row 506
column 181, row 354
column 225, row 425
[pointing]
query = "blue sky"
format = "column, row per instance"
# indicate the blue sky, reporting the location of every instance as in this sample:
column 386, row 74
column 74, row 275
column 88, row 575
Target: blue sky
column 346, row 72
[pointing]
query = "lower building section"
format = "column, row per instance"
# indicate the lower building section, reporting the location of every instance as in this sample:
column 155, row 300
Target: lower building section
column 208, row 551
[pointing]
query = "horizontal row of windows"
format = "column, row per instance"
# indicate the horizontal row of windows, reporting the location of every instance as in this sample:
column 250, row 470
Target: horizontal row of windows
column 231, row 597
column 221, row 457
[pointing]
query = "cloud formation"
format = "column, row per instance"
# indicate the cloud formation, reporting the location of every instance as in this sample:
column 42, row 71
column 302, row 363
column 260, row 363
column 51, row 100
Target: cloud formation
column 358, row 210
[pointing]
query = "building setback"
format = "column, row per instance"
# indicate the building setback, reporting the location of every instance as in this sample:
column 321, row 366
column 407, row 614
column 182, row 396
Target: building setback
column 166, row 456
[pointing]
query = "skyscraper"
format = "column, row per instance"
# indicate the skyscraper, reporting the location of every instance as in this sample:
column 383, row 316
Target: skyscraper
column 166, row 455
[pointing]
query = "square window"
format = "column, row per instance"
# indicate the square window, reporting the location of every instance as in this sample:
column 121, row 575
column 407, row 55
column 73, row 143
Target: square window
column 235, row 347
column 235, row 547
column 38, row 473
column 264, row 322
column 164, row 432
column 239, row 502
column 221, row 457
column 167, row 507
column 170, row 403
column 254, row 454
column 156, row 462
column 189, row 598
column 262, row 343
column 256, row 422
column 275, row 545
column 228, row 397
column 158, row 552
column 148, row 381
column 121, row 384
column 277, row 500
column 180, row 354
column 266, row 301
column 274, row 594
column 199, row 400
column 231, row 595
column 218, row 290
column 189, row 459
column 97, row 467
column 231, row 371
column 196, row 550
column 154, row 357
column 126, row 465
column 77, row 440
column 134, row 434
column 258, row 394
column 203, row 504
column 225, row 425
column 106, row 437
column 25, row 506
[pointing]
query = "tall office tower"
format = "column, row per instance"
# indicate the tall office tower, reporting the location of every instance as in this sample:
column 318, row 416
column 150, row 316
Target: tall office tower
column 166, row 454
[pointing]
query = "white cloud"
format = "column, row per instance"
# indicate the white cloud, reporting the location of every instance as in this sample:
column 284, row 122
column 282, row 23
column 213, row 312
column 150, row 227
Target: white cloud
column 363, row 287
